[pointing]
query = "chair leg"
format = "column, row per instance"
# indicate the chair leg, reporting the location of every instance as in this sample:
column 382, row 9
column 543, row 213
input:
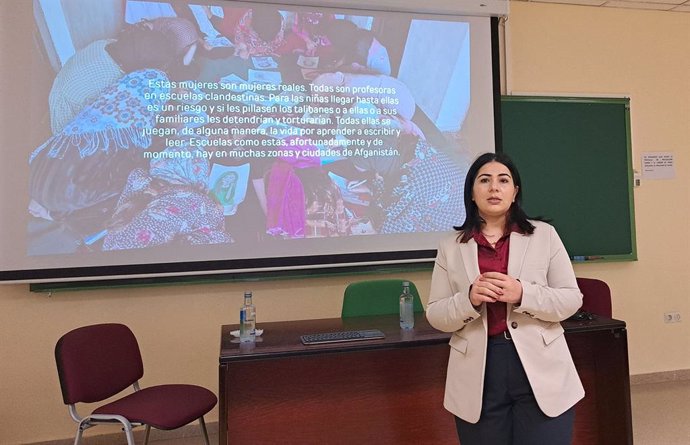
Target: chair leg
column 80, row 431
column 203, row 429
column 146, row 436
column 130, row 435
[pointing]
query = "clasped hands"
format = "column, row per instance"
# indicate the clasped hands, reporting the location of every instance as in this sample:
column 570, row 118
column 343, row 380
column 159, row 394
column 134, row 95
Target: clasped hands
column 491, row 287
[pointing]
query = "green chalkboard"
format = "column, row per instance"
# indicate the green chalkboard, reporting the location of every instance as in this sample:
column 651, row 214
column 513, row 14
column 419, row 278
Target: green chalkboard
column 574, row 158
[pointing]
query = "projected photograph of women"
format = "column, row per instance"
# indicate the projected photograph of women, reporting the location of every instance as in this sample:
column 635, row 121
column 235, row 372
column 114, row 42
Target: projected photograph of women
column 300, row 124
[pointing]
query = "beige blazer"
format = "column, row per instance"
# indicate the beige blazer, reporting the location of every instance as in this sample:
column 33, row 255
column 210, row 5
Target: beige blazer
column 549, row 295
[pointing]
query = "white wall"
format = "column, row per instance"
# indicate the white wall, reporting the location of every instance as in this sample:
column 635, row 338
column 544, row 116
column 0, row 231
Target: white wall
column 559, row 49
column 552, row 49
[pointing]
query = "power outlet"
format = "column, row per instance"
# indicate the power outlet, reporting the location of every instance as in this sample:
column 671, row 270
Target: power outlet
column 671, row 317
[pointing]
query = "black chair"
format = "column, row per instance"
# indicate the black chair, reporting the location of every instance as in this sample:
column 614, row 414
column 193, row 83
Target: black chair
column 99, row 361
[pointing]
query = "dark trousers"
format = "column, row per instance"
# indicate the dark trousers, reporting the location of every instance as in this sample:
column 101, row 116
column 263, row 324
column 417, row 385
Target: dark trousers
column 510, row 414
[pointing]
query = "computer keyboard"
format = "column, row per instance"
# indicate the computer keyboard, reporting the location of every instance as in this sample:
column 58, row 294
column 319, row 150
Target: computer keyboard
column 341, row 336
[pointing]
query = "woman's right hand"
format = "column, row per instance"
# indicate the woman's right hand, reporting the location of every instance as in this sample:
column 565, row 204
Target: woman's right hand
column 483, row 291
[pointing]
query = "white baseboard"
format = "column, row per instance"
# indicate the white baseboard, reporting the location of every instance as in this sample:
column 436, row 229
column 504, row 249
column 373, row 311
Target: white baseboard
column 660, row 377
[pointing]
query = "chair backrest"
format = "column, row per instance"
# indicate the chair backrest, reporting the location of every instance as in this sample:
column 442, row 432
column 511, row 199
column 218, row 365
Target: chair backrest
column 377, row 297
column 596, row 296
column 96, row 362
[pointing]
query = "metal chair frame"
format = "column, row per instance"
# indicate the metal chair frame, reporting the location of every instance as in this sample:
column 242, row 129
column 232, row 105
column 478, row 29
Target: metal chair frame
column 86, row 422
column 91, row 420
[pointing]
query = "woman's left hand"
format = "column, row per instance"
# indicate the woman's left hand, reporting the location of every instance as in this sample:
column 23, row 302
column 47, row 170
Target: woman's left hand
column 512, row 288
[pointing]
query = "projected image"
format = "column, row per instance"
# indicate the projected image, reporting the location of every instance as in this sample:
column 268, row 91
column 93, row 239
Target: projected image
column 243, row 125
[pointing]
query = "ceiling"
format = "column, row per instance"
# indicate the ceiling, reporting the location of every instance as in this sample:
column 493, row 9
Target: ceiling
column 658, row 5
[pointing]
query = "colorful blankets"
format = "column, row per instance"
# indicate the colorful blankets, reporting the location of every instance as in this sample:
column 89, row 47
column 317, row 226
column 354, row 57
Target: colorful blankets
column 115, row 120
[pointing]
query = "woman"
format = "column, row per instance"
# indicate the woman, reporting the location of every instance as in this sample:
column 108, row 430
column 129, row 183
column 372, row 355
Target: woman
column 354, row 48
column 260, row 32
column 168, row 205
column 165, row 44
column 501, row 285
column 88, row 162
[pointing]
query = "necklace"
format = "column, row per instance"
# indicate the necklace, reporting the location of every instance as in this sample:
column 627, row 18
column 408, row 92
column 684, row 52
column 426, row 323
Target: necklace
column 491, row 236
column 492, row 239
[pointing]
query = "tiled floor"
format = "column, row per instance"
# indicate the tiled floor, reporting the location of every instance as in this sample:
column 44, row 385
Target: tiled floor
column 661, row 413
column 661, row 416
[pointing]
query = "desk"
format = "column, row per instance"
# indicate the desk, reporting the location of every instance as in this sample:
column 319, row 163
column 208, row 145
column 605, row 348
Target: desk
column 389, row 391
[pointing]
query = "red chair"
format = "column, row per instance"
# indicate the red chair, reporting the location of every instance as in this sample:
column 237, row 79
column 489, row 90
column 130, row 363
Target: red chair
column 99, row 361
column 596, row 296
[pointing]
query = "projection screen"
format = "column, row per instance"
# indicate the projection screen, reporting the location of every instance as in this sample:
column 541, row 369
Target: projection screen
column 154, row 138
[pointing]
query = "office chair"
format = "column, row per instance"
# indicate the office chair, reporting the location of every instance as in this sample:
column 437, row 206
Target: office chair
column 377, row 297
column 596, row 296
column 99, row 361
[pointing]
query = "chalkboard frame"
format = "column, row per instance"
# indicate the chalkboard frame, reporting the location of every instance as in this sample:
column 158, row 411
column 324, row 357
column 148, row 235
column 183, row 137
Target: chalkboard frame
column 597, row 224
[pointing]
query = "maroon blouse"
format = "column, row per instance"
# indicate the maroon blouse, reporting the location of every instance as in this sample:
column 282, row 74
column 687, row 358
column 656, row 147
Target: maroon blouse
column 494, row 259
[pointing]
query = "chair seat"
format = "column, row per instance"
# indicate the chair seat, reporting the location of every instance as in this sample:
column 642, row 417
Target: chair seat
column 151, row 405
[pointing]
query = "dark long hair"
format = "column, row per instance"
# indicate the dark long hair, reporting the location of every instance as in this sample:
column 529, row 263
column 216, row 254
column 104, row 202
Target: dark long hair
column 473, row 221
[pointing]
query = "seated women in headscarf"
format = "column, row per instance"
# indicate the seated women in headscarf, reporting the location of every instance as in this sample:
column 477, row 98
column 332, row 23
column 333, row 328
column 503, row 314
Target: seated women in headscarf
column 259, row 33
column 169, row 204
column 326, row 212
column 310, row 27
column 88, row 162
column 285, row 198
column 185, row 40
column 353, row 49
column 428, row 196
column 162, row 44
column 413, row 185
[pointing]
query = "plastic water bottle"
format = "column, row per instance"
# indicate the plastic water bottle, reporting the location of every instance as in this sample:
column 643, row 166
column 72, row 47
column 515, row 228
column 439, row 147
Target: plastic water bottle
column 248, row 319
column 406, row 307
